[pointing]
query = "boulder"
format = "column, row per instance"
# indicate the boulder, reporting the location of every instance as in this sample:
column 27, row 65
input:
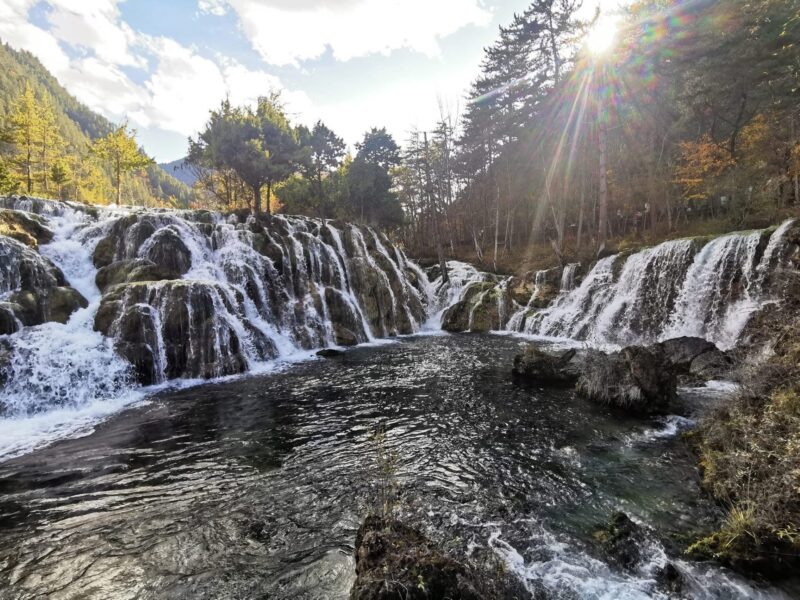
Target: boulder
column 477, row 311
column 131, row 271
column 329, row 353
column 622, row 541
column 695, row 360
column 46, row 304
column 396, row 562
column 520, row 289
column 637, row 379
column 166, row 249
column 9, row 323
column 543, row 367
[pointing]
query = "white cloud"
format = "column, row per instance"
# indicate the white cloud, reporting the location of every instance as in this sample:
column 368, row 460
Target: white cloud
column 285, row 32
column 212, row 7
column 94, row 26
column 179, row 88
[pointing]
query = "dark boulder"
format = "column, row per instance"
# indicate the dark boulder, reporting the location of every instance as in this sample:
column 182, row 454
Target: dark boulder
column 543, row 367
column 622, row 542
column 46, row 304
column 9, row 323
column 329, row 353
column 637, row 379
column 695, row 360
column 396, row 562
column 478, row 310
column 167, row 250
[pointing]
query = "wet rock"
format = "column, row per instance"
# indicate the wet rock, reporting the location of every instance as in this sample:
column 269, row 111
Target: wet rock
column 9, row 323
column 131, row 271
column 543, row 367
column 61, row 302
column 329, row 353
column 520, row 290
column 396, row 562
column 348, row 328
column 24, row 227
column 176, row 329
column 695, row 360
column 166, row 249
column 622, row 542
column 670, row 580
column 637, row 379
column 477, row 311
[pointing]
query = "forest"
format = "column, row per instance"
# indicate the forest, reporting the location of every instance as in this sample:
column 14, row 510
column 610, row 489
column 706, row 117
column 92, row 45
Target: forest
column 689, row 124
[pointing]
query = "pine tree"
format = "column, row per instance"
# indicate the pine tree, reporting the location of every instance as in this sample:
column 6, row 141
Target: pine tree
column 120, row 151
column 25, row 133
column 50, row 142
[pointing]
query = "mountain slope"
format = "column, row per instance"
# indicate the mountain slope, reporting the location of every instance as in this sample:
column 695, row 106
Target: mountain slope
column 178, row 169
column 78, row 124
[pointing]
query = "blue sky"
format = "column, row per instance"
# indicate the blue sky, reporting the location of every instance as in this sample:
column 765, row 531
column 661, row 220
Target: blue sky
column 354, row 64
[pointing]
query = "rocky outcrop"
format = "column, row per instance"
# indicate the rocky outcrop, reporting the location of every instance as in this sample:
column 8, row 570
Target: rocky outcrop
column 636, row 379
column 543, row 367
column 26, row 228
column 131, row 271
column 483, row 307
column 695, row 360
column 625, row 544
column 177, row 329
column 396, row 562
column 35, row 289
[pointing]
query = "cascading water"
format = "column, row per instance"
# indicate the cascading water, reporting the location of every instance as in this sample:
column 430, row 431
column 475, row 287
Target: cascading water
column 182, row 294
column 678, row 288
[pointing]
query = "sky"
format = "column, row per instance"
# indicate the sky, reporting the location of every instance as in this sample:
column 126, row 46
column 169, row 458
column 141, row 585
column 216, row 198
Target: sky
column 354, row 64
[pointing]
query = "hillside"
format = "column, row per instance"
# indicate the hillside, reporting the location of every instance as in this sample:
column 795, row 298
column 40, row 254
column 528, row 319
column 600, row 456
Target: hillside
column 178, row 170
column 78, row 125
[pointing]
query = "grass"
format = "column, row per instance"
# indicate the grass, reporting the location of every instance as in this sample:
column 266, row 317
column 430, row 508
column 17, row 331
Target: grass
column 749, row 453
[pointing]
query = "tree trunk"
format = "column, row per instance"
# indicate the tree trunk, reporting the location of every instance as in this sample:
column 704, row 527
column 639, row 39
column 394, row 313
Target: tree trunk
column 269, row 197
column 602, row 223
column 796, row 161
column 496, row 223
column 256, row 199
column 434, row 214
column 118, row 169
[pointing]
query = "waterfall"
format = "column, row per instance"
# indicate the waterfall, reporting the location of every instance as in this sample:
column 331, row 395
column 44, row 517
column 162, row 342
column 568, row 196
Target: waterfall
column 685, row 287
column 126, row 298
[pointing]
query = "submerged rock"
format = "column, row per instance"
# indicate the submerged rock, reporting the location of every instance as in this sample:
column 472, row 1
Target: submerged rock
column 540, row 366
column 637, row 379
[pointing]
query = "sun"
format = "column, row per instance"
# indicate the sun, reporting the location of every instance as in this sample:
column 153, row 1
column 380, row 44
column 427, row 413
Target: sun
column 602, row 36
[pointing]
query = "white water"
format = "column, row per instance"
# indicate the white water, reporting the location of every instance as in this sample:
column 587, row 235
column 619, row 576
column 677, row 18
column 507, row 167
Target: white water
column 667, row 291
column 63, row 378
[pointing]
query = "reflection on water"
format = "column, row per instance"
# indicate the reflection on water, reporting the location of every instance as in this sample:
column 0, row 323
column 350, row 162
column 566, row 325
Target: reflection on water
column 254, row 488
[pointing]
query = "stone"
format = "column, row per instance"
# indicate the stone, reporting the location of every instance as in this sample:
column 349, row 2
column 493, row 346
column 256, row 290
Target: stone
column 543, row 367
column 167, row 250
column 62, row 302
column 621, row 542
column 637, row 379
column 9, row 323
column 329, row 353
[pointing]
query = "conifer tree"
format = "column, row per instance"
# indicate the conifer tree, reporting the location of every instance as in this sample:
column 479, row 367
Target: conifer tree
column 120, row 151
column 25, row 133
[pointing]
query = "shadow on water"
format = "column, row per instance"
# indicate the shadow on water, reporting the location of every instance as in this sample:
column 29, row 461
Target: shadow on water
column 255, row 487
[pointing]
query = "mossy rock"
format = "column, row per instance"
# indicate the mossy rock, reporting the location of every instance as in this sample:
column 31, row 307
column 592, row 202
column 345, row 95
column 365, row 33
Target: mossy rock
column 131, row 271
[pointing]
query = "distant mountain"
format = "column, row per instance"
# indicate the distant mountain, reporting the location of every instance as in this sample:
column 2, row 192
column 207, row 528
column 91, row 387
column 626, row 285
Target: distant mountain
column 179, row 170
column 78, row 124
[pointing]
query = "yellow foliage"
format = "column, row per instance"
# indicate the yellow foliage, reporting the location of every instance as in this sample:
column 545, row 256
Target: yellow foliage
column 701, row 162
